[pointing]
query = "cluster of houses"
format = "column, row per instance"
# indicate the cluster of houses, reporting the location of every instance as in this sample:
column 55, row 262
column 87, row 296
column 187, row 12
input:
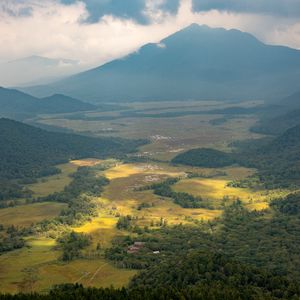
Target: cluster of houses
column 136, row 247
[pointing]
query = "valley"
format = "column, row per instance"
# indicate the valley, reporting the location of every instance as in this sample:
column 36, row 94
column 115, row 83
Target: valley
column 149, row 150
column 38, row 266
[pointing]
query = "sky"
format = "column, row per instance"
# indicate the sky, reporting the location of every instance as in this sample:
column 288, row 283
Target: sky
column 92, row 32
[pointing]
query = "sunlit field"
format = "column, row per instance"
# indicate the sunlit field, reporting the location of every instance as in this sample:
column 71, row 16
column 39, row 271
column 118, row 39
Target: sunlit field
column 25, row 215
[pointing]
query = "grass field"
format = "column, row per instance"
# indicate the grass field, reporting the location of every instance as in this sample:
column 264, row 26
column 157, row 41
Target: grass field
column 216, row 191
column 25, row 215
column 168, row 135
column 55, row 183
column 36, row 268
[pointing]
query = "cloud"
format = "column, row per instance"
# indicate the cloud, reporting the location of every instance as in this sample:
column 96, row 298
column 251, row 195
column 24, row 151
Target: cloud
column 130, row 9
column 53, row 29
column 287, row 8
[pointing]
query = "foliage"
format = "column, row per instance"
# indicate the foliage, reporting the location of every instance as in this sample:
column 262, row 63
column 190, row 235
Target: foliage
column 266, row 239
column 185, row 200
column 31, row 152
column 72, row 244
column 124, row 222
column 204, row 157
column 12, row 239
column 11, row 190
column 289, row 205
column 80, row 208
column 277, row 161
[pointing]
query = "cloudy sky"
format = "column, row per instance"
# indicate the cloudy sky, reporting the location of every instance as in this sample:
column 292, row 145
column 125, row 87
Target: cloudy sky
column 92, row 32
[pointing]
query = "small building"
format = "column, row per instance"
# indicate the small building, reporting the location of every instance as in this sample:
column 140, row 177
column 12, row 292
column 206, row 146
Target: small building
column 136, row 247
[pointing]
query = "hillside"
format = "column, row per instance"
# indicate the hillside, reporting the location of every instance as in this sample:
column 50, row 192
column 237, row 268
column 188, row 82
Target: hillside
column 285, row 116
column 197, row 62
column 278, row 124
column 20, row 105
column 27, row 151
column 209, row 158
column 277, row 161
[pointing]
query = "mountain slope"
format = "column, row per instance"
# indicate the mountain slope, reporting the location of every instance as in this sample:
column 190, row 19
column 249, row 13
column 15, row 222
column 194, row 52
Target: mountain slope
column 59, row 103
column 197, row 62
column 27, row 151
column 285, row 115
column 17, row 104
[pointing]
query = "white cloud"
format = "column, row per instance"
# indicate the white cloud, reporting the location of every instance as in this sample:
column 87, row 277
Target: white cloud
column 58, row 31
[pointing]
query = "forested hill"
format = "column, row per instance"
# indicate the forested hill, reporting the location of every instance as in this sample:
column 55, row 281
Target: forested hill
column 28, row 151
column 16, row 104
column 277, row 161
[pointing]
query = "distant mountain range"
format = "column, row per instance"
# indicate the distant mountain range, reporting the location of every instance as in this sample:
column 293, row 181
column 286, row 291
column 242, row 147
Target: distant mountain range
column 36, row 70
column 19, row 105
column 197, row 62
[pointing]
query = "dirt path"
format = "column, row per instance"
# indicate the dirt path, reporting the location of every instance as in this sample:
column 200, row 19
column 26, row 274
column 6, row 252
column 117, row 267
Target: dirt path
column 97, row 271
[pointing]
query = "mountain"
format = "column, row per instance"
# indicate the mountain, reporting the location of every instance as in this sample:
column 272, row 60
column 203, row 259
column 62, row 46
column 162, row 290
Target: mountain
column 59, row 103
column 20, row 105
column 27, row 151
column 197, row 62
column 36, row 70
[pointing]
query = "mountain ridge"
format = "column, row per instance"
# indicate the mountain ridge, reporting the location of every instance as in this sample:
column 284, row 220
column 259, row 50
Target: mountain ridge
column 197, row 62
column 17, row 104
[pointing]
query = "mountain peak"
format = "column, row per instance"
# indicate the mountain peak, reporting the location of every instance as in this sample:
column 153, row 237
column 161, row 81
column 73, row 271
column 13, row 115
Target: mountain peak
column 197, row 62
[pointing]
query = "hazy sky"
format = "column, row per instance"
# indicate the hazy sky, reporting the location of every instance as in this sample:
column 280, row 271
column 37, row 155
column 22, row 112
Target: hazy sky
column 96, row 31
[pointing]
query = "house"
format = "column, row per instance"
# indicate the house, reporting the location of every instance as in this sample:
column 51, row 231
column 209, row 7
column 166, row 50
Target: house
column 136, row 247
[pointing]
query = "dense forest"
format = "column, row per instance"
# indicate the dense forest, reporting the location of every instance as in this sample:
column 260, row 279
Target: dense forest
column 31, row 152
column 204, row 157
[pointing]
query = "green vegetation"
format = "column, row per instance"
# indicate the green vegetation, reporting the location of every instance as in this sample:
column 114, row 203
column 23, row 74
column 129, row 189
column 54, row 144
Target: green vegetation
column 31, row 152
column 194, row 240
column 11, row 239
column 12, row 190
column 80, row 208
column 277, row 160
column 18, row 105
column 244, row 255
column 266, row 240
column 289, row 205
column 72, row 244
column 185, row 200
column 204, row 157
column 124, row 222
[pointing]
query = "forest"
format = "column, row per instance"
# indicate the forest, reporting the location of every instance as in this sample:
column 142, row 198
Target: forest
column 30, row 152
